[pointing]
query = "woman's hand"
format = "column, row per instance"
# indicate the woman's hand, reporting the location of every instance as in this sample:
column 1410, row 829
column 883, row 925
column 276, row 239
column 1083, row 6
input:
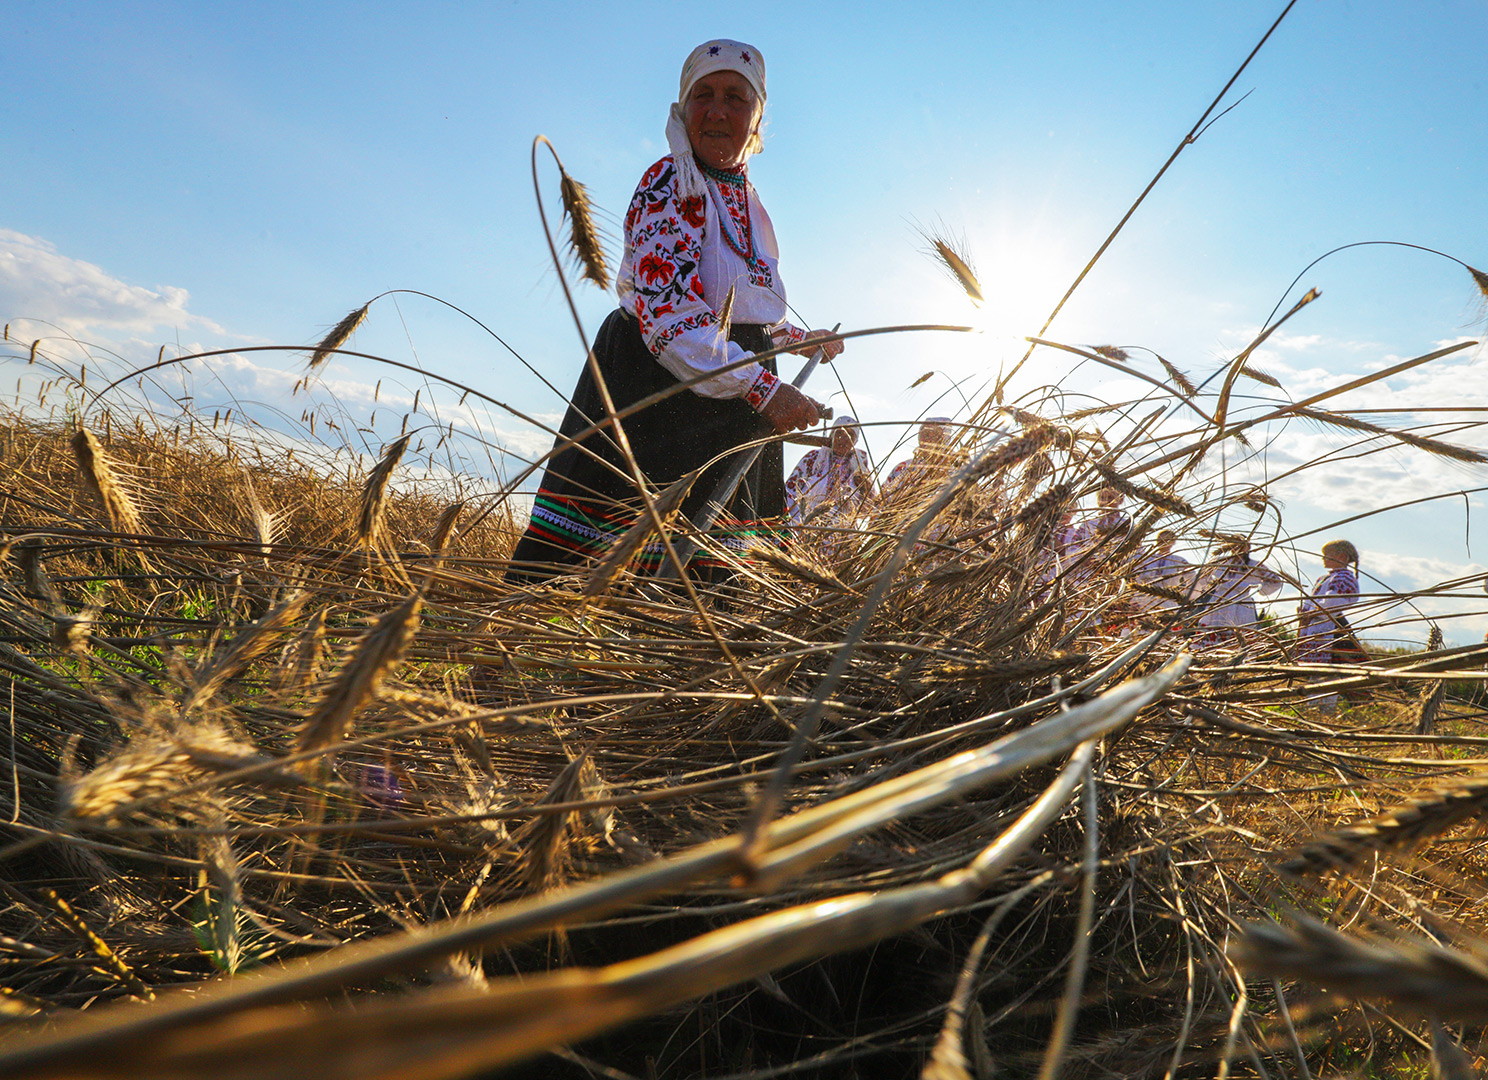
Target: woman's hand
column 830, row 349
column 790, row 410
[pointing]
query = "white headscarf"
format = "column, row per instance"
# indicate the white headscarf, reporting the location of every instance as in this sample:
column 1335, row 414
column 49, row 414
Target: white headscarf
column 720, row 54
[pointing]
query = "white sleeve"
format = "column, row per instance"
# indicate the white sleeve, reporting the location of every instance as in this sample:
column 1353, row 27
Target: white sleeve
column 664, row 244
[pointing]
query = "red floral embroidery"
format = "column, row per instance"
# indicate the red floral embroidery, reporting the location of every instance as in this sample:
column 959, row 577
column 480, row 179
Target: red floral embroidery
column 762, row 391
column 654, row 268
column 692, row 211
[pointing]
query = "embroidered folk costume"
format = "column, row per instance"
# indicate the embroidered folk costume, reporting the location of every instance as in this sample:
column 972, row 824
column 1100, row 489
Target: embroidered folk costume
column 1322, row 631
column 836, row 484
column 693, row 233
column 1165, row 569
column 1231, row 585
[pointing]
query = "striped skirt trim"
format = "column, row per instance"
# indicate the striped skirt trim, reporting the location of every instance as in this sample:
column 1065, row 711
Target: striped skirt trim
column 577, row 526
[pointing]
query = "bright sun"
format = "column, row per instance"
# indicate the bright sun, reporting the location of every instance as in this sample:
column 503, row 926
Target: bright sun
column 1022, row 276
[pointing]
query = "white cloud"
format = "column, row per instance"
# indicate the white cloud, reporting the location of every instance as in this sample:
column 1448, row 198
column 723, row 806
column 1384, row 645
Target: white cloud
column 39, row 286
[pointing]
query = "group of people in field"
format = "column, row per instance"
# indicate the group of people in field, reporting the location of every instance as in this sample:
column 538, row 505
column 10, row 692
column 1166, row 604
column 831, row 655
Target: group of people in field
column 686, row 360
column 835, row 485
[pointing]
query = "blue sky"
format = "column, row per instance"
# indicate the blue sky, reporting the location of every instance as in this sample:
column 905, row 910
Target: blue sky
column 215, row 175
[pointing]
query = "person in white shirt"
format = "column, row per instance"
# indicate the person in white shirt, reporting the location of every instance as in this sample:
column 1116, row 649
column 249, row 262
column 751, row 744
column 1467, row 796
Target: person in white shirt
column 1164, row 568
column 1323, row 634
column 1231, row 583
column 835, row 479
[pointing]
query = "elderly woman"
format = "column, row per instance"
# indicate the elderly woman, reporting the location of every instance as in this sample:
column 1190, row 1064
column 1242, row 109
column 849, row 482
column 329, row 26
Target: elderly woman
column 695, row 234
column 836, row 477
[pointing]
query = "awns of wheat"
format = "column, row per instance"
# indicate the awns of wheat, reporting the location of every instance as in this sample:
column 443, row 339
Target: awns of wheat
column 1421, row 977
column 1405, row 826
column 339, row 335
column 585, row 244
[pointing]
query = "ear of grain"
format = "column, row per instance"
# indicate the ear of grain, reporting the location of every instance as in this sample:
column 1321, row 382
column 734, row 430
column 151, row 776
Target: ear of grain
column 444, row 526
column 726, row 313
column 222, row 897
column 1259, row 376
column 374, row 494
column 1112, row 352
column 1094, row 410
column 380, row 650
column 1441, row 449
column 1434, row 693
column 72, row 633
column 300, row 663
column 143, row 770
column 1405, row 826
column 263, row 520
column 1480, row 279
column 544, row 841
column 1179, row 379
column 787, row 563
column 34, row 574
column 1163, row 500
column 1046, row 505
column 338, row 335
column 112, row 962
column 1420, row 442
column 583, row 238
column 1423, row 978
column 101, row 479
column 255, row 640
column 959, row 267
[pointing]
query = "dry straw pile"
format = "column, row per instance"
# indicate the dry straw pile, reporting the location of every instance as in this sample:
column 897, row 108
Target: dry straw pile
column 291, row 776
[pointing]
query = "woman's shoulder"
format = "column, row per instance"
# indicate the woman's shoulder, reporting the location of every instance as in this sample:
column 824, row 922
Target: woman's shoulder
column 661, row 171
column 810, row 458
column 1343, row 579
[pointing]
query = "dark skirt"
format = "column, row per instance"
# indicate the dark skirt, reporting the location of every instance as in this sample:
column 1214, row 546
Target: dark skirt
column 582, row 503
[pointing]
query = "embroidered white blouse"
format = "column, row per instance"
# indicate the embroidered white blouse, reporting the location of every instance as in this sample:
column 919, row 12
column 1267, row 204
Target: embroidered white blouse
column 681, row 258
column 824, row 477
column 1334, row 591
column 1230, row 585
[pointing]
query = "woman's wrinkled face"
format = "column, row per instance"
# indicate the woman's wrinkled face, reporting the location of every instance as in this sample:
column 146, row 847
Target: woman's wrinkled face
column 720, row 115
column 843, row 440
